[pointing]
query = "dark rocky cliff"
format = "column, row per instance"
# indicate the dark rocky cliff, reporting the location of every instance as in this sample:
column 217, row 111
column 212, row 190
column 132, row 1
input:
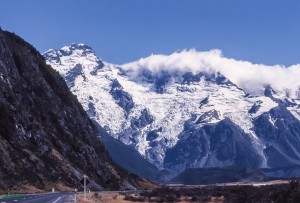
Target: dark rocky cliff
column 222, row 144
column 280, row 130
column 46, row 138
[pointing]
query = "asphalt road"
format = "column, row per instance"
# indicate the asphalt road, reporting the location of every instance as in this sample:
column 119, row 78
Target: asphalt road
column 41, row 198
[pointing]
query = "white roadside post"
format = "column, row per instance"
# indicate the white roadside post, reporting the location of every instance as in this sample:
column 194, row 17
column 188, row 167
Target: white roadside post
column 84, row 186
column 75, row 198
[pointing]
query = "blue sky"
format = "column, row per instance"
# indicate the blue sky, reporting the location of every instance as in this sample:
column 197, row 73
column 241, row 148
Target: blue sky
column 260, row 31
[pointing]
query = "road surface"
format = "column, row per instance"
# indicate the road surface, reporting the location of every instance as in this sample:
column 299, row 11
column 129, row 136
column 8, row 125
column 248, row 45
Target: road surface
column 41, row 198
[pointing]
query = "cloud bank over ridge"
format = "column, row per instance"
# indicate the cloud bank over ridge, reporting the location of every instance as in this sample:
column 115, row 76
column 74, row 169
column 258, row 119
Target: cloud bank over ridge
column 253, row 78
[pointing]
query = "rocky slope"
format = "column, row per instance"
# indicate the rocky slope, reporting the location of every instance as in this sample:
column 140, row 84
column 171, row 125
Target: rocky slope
column 177, row 117
column 46, row 138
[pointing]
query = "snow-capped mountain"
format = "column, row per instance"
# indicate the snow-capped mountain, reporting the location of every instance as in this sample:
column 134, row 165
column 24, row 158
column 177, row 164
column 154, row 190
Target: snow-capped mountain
column 190, row 109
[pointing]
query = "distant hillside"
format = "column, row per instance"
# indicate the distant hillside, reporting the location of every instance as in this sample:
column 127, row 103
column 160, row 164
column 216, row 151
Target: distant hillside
column 204, row 176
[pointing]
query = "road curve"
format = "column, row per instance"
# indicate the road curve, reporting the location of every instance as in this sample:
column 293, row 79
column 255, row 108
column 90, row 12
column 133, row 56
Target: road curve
column 41, row 198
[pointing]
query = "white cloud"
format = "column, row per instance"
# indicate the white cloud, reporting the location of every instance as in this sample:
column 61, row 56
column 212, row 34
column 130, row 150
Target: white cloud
column 248, row 76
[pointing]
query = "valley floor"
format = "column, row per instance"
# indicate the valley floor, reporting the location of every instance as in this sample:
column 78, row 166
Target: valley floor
column 278, row 191
column 273, row 191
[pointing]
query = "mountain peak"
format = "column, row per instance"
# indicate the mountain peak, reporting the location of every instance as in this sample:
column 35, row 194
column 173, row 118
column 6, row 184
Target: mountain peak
column 74, row 55
column 74, row 49
column 78, row 48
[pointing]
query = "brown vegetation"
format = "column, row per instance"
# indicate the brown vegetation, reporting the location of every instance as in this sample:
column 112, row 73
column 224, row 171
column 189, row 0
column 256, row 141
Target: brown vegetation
column 102, row 197
column 276, row 193
column 288, row 193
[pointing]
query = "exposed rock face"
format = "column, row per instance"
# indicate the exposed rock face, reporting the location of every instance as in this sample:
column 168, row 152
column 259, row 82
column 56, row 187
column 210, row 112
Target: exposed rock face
column 123, row 99
column 46, row 137
column 218, row 145
column 280, row 130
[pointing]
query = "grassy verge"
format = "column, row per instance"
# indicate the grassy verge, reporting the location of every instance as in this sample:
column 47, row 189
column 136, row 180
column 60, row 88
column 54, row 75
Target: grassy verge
column 11, row 197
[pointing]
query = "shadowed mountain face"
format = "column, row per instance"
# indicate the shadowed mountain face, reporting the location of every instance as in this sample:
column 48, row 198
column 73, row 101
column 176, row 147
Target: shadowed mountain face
column 220, row 145
column 281, row 131
column 46, row 137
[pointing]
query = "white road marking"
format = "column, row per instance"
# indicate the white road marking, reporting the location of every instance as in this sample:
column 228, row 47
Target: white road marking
column 58, row 199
